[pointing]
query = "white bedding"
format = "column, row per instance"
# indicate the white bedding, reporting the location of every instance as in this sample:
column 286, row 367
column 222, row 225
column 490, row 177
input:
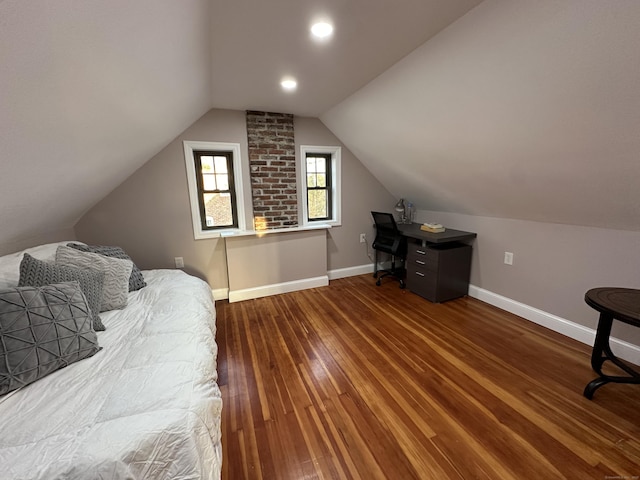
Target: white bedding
column 147, row 406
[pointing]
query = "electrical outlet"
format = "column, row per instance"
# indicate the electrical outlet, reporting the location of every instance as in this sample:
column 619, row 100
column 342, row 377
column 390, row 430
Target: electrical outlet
column 508, row 258
column 363, row 237
column 179, row 262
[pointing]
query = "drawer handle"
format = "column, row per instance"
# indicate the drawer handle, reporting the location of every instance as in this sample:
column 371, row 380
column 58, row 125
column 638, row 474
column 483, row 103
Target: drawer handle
column 420, row 262
column 420, row 274
column 421, row 252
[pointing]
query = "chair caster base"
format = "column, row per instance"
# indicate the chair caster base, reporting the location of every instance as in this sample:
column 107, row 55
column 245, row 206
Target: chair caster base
column 379, row 281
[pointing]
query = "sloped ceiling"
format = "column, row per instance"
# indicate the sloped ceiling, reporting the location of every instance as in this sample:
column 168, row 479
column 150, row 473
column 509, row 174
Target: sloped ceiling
column 527, row 110
column 89, row 91
column 256, row 43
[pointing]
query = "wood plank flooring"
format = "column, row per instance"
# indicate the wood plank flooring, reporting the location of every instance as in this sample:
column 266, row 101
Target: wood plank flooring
column 354, row 381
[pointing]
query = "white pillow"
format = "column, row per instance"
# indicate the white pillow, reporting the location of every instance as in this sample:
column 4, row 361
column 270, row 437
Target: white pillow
column 115, row 291
column 10, row 264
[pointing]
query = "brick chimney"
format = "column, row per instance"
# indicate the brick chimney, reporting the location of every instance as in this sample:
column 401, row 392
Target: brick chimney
column 272, row 161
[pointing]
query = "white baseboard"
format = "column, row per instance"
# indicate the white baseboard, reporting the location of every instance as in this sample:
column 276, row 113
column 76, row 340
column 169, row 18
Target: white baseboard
column 583, row 334
column 277, row 288
column 220, row 293
column 350, row 271
column 223, row 293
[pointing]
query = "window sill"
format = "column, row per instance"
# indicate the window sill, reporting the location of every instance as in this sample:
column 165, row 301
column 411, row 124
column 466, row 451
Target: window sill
column 259, row 233
column 321, row 224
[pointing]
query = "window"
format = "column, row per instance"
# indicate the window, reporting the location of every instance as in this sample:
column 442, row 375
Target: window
column 215, row 180
column 319, row 187
column 216, row 191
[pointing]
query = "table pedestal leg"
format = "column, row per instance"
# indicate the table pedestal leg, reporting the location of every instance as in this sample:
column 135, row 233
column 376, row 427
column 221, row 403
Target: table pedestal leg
column 601, row 353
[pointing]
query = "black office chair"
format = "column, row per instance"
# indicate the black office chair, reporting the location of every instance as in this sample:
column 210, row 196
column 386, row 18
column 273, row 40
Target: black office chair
column 388, row 240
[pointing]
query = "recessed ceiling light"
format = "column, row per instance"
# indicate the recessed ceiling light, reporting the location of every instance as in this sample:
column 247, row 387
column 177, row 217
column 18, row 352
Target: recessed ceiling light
column 289, row 84
column 321, row 30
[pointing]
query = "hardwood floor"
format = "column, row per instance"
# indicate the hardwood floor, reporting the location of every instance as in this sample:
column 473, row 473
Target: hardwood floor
column 358, row 381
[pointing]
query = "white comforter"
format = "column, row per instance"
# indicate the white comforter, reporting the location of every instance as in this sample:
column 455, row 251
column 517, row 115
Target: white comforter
column 146, row 406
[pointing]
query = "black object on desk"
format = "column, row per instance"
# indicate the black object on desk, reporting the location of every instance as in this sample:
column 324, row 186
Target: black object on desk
column 621, row 304
column 438, row 264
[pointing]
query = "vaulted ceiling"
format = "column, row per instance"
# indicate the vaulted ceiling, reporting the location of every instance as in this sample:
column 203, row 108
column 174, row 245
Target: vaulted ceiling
column 527, row 110
column 515, row 109
column 256, row 43
column 89, row 91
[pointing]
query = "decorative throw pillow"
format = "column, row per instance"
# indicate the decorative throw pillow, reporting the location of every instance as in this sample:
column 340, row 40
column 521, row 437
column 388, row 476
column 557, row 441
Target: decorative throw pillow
column 116, row 274
column 136, row 280
column 38, row 273
column 42, row 329
column 10, row 264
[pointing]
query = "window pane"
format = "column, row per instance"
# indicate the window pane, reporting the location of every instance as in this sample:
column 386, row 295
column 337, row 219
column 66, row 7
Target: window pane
column 207, row 164
column 317, row 204
column 311, row 179
column 311, row 164
column 218, row 209
column 321, row 164
column 223, row 181
column 209, row 181
column 221, row 165
column 322, row 179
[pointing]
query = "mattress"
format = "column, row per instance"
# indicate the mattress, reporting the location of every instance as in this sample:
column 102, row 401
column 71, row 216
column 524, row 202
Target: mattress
column 147, row 406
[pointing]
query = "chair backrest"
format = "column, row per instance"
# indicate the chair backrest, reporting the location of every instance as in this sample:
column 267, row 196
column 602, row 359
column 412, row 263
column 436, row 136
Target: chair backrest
column 385, row 222
column 388, row 237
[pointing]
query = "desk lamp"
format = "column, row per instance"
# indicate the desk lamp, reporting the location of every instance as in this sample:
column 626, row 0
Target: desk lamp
column 400, row 208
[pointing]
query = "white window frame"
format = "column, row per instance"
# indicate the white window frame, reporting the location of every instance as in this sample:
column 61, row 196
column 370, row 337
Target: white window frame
column 336, row 174
column 238, row 174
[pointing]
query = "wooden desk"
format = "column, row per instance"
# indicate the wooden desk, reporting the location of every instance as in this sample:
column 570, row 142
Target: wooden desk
column 621, row 304
column 412, row 230
column 438, row 264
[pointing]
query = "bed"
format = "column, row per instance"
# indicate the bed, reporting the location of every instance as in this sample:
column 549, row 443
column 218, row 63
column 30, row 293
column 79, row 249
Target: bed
column 146, row 406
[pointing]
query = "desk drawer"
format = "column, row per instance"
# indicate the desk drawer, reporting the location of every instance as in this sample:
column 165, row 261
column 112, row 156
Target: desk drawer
column 422, row 282
column 439, row 272
column 422, row 258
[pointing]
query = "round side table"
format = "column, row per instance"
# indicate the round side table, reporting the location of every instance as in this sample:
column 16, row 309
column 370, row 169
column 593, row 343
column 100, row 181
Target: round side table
column 621, row 304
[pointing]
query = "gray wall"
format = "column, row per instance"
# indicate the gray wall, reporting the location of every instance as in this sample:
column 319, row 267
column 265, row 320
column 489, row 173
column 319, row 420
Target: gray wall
column 149, row 214
column 275, row 258
column 361, row 193
column 46, row 237
column 554, row 264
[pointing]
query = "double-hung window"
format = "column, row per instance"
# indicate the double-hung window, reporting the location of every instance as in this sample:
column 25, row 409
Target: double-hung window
column 319, row 185
column 216, row 182
column 318, row 177
column 216, row 191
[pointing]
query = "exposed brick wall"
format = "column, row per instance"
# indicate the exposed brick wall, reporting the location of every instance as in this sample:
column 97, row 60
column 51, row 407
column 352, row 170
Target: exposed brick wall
column 272, row 160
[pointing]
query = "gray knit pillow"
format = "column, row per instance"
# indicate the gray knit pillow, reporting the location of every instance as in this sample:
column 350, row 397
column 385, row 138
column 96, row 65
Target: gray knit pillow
column 116, row 274
column 42, row 329
column 136, row 280
column 38, row 273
